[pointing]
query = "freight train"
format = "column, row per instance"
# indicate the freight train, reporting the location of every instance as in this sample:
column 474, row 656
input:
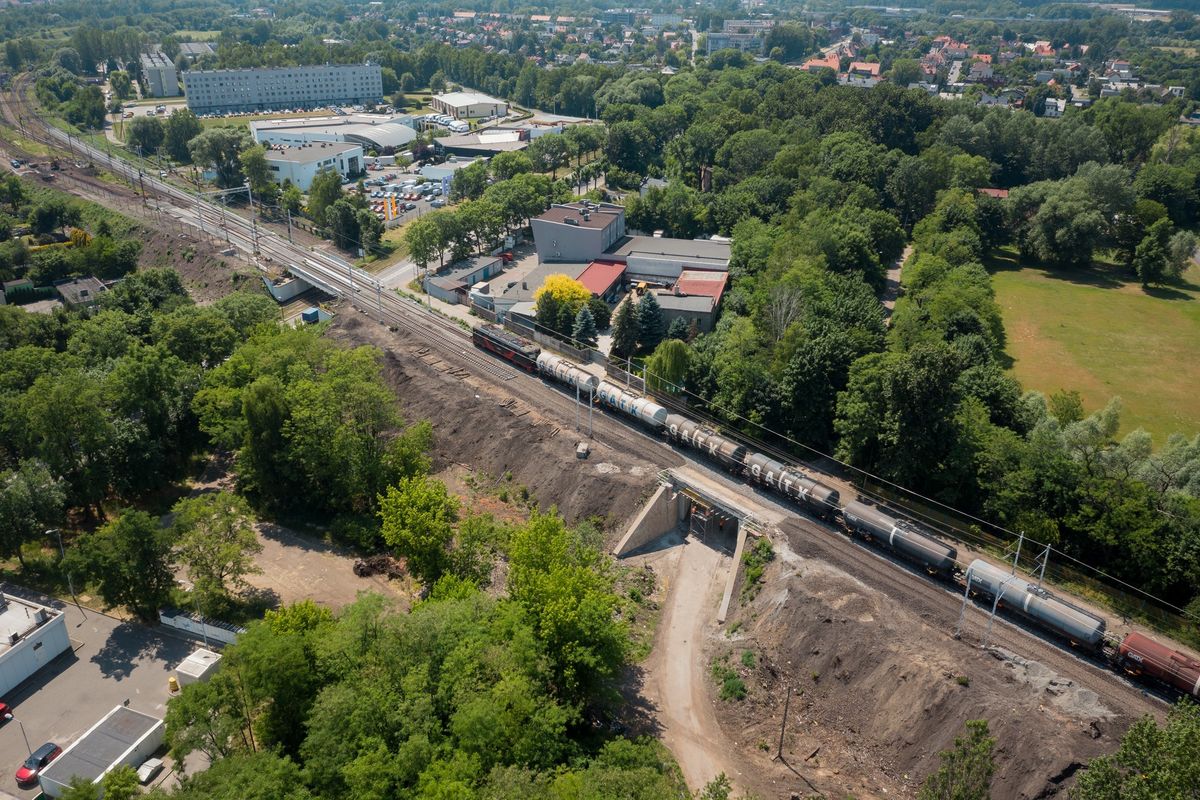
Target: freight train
column 1136, row 654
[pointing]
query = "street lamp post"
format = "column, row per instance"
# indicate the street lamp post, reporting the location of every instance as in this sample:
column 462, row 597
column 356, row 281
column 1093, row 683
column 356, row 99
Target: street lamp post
column 23, row 734
column 63, row 557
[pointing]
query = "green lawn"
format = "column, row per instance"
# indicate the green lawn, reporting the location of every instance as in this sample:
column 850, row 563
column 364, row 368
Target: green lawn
column 1095, row 331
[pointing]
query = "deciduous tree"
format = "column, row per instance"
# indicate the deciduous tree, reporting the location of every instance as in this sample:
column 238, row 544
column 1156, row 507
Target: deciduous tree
column 129, row 560
column 215, row 540
column 418, row 516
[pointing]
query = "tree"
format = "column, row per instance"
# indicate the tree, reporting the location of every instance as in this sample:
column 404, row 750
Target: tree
column 601, row 313
column 121, row 85
column 679, row 329
column 1181, row 250
column 418, row 515
column 342, row 221
column 324, row 191
column 256, row 169
column 426, row 240
column 81, row 789
column 668, row 366
column 144, row 135
column 1151, row 258
column 86, row 109
column 121, row 783
column 630, row 146
column 129, row 559
column 31, row 500
column 508, row 164
column 291, row 199
column 1153, row 762
column 215, row 540
column 370, row 229
column 650, row 322
column 549, row 152
column 12, row 191
column 219, row 150
column 625, row 330
column 966, row 770
column 584, row 330
column 469, row 182
column 565, row 290
column 181, row 127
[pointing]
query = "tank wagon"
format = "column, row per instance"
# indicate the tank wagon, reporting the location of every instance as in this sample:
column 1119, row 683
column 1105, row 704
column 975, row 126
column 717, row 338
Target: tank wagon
column 1034, row 602
column 817, row 497
column 564, row 371
column 633, row 405
column 1141, row 655
column 902, row 537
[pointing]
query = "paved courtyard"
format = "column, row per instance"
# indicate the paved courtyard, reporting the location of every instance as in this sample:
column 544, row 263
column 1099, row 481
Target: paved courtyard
column 110, row 662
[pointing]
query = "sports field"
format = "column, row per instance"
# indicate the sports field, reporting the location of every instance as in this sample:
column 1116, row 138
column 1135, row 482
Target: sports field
column 1100, row 334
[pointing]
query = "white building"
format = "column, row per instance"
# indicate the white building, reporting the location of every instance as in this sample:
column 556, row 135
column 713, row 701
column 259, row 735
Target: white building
column 378, row 132
column 301, row 164
column 159, row 78
column 199, row 666
column 30, row 636
column 468, row 105
column 124, row 737
column 244, row 90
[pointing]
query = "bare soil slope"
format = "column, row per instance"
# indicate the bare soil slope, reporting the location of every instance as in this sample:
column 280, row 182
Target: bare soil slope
column 878, row 692
column 480, row 425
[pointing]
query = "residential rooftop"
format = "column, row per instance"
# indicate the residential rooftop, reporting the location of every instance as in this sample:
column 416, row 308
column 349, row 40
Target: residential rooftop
column 19, row 618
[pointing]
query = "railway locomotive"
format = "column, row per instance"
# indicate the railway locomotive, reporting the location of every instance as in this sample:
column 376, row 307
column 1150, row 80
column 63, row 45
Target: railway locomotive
column 1135, row 654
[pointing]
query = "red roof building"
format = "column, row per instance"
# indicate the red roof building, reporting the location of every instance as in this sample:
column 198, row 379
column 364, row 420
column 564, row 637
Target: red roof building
column 603, row 279
column 830, row 61
column 702, row 282
column 865, row 69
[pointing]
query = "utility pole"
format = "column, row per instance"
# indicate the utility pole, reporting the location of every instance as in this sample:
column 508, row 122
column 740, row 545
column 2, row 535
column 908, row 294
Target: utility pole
column 289, row 219
column 787, row 702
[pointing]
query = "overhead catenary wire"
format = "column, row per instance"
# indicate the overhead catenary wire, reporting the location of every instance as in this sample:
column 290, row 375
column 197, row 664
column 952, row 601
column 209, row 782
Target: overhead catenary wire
column 733, row 415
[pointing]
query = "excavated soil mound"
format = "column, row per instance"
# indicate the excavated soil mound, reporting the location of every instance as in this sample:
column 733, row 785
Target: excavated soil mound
column 877, row 693
column 482, row 428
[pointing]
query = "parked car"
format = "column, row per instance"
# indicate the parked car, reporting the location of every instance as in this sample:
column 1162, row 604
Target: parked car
column 149, row 769
column 27, row 773
column 409, row 206
column 438, row 204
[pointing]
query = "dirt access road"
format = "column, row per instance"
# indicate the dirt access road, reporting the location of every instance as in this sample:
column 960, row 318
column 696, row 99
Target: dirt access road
column 692, row 577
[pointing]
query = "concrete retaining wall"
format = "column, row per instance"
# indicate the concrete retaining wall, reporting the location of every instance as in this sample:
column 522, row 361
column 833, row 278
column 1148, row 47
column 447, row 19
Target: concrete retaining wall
column 665, row 510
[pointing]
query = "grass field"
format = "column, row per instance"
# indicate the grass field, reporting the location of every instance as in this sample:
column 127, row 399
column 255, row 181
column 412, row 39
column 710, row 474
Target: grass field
column 1095, row 331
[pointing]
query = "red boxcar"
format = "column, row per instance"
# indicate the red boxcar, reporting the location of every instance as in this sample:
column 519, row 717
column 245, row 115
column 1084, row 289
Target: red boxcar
column 1142, row 655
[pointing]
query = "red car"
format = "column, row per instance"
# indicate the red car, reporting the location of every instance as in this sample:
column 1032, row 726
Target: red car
column 28, row 772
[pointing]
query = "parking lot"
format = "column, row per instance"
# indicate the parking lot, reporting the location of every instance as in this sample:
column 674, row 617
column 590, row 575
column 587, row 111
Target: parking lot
column 110, row 662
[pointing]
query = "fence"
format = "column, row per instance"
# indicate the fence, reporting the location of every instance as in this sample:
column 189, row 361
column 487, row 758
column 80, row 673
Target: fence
column 196, row 625
column 546, row 341
column 481, row 312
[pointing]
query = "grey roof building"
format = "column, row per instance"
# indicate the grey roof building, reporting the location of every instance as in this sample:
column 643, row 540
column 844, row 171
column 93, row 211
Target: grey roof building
column 579, row 232
column 122, row 737
column 81, row 292
column 159, row 78
column 241, row 90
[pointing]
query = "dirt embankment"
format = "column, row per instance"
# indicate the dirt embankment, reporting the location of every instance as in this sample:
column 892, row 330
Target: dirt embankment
column 877, row 693
column 481, row 426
